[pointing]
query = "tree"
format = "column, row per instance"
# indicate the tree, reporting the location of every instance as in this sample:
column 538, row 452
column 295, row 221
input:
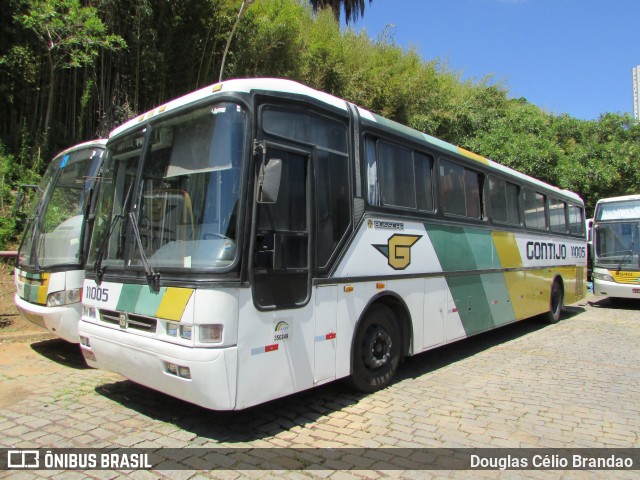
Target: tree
column 70, row 35
column 245, row 4
column 352, row 8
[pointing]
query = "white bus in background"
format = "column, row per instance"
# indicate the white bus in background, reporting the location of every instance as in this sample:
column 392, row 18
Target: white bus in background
column 50, row 266
column 257, row 238
column 616, row 247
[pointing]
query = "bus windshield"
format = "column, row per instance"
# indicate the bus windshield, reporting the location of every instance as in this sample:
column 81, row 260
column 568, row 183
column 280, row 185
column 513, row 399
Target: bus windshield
column 618, row 244
column 53, row 234
column 184, row 214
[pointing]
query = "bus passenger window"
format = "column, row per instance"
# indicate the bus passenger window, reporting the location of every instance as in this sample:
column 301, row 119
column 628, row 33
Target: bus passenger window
column 424, row 186
column 460, row 190
column 373, row 195
column 557, row 218
column 498, row 199
column 503, row 201
column 576, row 221
column 396, row 183
column 472, row 193
column 534, row 215
column 513, row 211
column 452, row 197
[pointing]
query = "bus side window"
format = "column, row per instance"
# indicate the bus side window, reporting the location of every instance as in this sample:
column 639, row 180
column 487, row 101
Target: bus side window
column 452, row 197
column 424, row 184
column 373, row 195
column 503, row 201
column 557, row 216
column 397, row 186
column 460, row 190
column 472, row 182
column 534, row 215
column 576, row 221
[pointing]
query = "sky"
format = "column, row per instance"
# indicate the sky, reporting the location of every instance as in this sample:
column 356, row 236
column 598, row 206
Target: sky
column 565, row 56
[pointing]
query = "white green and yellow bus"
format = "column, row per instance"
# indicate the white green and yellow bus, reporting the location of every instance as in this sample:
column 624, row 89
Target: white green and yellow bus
column 257, row 238
column 616, row 247
column 50, row 267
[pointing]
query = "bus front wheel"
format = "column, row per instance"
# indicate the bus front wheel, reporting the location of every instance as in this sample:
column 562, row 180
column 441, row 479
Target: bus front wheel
column 376, row 350
column 556, row 302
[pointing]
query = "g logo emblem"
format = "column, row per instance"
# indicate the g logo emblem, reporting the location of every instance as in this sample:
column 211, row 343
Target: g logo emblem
column 398, row 250
column 122, row 320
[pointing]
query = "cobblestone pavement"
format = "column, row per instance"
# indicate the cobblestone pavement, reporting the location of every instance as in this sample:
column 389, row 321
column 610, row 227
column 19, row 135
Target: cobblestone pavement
column 573, row 384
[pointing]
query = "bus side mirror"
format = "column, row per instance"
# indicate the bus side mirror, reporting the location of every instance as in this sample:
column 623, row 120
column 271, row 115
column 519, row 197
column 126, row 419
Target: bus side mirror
column 269, row 181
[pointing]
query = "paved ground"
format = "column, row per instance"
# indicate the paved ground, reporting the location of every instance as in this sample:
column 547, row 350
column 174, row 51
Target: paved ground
column 573, row 384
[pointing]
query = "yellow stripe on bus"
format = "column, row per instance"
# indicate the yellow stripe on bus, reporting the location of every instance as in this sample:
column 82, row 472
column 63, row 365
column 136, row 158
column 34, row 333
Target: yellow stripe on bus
column 507, row 249
column 173, row 303
column 473, row 156
column 43, row 290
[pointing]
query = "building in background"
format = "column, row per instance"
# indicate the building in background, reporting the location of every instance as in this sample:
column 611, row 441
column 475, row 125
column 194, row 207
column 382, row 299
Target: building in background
column 636, row 92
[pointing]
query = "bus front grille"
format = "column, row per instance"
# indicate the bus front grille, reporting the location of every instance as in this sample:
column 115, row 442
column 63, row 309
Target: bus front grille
column 129, row 321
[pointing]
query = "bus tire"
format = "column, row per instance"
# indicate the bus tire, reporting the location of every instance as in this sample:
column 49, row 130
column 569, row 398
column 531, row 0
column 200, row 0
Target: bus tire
column 376, row 350
column 556, row 302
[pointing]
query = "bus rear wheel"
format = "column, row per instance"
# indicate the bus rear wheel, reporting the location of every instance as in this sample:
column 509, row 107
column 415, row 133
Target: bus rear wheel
column 376, row 350
column 556, row 302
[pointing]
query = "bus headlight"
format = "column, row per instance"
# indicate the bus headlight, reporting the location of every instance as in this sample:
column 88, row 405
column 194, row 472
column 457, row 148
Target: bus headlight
column 74, row 296
column 603, row 276
column 210, row 333
column 199, row 333
column 55, row 299
column 177, row 330
column 64, row 297
column 186, row 332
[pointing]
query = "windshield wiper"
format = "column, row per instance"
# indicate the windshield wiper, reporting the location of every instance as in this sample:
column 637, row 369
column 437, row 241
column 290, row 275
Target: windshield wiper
column 97, row 268
column 628, row 256
column 34, row 227
column 153, row 277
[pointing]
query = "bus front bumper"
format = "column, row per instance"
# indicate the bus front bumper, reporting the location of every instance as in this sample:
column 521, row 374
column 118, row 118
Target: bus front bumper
column 162, row 366
column 613, row 289
column 60, row 321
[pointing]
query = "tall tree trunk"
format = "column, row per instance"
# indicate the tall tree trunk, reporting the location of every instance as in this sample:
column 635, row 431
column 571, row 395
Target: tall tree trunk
column 47, row 116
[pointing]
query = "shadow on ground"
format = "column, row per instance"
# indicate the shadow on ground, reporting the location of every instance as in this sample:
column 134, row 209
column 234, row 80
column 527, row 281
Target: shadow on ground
column 62, row 352
column 270, row 419
column 617, row 303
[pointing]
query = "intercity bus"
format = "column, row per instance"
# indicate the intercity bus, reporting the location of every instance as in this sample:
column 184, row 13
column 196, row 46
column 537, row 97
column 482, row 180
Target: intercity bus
column 50, row 265
column 616, row 247
column 257, row 238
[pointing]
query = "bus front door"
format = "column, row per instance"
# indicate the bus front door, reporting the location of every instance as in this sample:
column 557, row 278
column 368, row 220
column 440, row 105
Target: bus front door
column 281, row 245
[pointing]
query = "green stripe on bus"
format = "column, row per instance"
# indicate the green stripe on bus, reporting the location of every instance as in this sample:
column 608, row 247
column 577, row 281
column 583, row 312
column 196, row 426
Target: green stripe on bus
column 128, row 297
column 140, row 299
column 482, row 248
column 498, row 299
column 452, row 248
column 149, row 301
column 31, row 293
column 470, row 299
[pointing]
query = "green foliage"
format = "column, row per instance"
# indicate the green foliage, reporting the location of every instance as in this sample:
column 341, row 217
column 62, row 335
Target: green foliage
column 7, row 222
column 70, row 34
column 71, row 70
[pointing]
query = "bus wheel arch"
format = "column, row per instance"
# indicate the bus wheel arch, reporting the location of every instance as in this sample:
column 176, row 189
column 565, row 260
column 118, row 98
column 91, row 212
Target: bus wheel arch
column 556, row 301
column 381, row 339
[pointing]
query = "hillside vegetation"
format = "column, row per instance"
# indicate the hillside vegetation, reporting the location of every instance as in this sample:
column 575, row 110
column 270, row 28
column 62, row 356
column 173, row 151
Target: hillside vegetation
column 72, row 70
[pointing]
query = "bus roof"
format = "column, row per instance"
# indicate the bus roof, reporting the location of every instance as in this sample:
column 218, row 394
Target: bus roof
column 100, row 142
column 622, row 198
column 291, row 87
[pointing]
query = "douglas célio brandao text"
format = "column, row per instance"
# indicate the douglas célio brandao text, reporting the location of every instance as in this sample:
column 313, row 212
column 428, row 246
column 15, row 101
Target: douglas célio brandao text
column 570, row 461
